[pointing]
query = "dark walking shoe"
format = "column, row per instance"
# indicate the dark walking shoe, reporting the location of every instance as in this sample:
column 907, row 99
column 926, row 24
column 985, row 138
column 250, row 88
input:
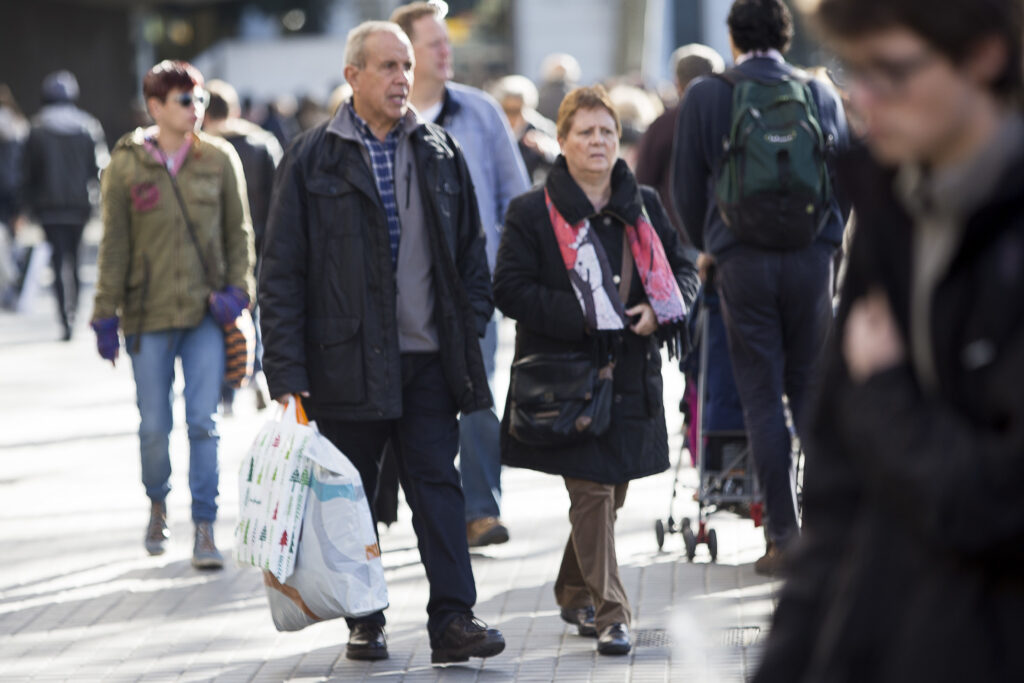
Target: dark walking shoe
column 770, row 563
column 582, row 619
column 614, row 640
column 486, row 531
column 204, row 552
column 157, row 533
column 465, row 637
column 366, row 641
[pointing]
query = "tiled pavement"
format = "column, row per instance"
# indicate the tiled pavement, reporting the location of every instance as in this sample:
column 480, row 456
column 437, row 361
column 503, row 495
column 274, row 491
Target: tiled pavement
column 80, row 599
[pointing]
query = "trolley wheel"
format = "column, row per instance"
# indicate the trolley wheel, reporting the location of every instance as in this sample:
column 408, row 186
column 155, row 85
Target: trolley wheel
column 659, row 531
column 690, row 541
column 713, row 544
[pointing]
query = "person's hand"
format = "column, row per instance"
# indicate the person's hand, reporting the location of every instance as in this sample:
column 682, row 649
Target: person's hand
column 704, row 262
column 871, row 340
column 228, row 304
column 647, row 323
column 107, row 341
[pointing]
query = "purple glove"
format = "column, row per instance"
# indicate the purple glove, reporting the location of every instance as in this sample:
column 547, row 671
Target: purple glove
column 228, row 303
column 107, row 341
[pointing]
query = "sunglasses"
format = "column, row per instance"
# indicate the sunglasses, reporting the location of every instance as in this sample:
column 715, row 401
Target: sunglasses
column 186, row 99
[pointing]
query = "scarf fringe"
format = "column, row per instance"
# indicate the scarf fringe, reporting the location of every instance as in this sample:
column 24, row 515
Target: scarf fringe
column 675, row 336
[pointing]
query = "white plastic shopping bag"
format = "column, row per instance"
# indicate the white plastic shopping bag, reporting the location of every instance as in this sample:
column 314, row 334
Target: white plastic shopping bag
column 338, row 571
column 273, row 485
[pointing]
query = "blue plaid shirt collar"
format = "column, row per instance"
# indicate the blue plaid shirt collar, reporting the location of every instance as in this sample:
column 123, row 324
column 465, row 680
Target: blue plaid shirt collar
column 382, row 159
column 363, row 128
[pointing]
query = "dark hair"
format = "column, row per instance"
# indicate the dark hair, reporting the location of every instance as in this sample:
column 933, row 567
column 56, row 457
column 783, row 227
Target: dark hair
column 586, row 97
column 952, row 27
column 407, row 15
column 216, row 107
column 168, row 75
column 222, row 102
column 760, row 25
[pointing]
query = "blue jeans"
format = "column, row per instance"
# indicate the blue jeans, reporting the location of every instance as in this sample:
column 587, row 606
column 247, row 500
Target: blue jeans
column 201, row 349
column 479, row 447
column 777, row 307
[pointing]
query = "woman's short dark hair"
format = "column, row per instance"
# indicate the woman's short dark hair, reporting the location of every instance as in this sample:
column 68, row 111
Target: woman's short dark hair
column 760, row 25
column 169, row 75
column 951, row 27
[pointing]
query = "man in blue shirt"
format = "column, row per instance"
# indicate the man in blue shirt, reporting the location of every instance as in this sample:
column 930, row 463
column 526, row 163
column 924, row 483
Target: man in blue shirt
column 477, row 123
column 776, row 303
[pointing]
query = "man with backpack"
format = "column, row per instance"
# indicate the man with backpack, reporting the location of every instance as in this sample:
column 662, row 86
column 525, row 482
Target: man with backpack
column 753, row 188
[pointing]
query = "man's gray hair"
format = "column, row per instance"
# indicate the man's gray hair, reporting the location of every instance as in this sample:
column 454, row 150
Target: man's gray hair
column 355, row 44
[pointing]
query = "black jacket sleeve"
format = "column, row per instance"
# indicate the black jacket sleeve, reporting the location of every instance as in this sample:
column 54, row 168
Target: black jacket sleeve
column 691, row 161
column 471, row 253
column 283, row 280
column 520, row 290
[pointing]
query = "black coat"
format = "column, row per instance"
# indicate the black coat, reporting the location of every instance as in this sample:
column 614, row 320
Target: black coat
column 327, row 288
column 531, row 285
column 911, row 565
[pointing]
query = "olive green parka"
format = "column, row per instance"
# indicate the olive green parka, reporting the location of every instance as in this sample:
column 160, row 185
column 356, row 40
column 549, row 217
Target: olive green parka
column 150, row 273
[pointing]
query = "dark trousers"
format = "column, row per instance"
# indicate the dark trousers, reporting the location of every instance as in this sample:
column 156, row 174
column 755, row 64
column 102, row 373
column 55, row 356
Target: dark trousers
column 64, row 243
column 777, row 308
column 424, row 441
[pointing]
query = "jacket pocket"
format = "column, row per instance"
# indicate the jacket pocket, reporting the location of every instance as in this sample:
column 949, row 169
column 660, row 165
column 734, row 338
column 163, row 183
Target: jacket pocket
column 335, row 360
column 334, row 205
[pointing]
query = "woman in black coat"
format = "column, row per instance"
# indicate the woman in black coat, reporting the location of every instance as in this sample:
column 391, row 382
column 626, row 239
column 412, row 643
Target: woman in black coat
column 549, row 241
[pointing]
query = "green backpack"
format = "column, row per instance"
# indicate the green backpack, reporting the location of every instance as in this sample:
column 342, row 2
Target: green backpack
column 773, row 187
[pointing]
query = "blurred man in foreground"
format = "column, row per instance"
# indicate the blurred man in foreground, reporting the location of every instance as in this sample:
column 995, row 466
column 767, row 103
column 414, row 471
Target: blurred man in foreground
column 910, row 565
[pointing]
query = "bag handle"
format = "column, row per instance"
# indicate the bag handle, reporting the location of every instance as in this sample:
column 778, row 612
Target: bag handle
column 293, row 411
column 626, row 271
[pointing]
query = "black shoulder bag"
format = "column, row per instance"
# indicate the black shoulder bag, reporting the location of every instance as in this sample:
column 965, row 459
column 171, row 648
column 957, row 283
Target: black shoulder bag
column 558, row 399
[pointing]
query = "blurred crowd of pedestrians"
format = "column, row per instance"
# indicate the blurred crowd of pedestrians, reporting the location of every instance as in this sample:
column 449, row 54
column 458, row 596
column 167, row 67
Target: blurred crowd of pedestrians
column 385, row 225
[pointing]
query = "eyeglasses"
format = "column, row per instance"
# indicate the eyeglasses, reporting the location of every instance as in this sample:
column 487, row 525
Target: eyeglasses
column 186, row 99
column 884, row 78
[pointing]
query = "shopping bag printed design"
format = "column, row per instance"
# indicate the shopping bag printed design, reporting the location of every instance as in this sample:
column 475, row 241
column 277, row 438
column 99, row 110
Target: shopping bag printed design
column 338, row 571
column 274, row 483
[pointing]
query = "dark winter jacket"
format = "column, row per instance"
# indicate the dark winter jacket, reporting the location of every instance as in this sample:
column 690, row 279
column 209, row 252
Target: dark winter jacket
column 654, row 163
column 701, row 129
column 64, row 153
column 531, row 285
column 910, row 566
column 259, row 152
column 327, row 288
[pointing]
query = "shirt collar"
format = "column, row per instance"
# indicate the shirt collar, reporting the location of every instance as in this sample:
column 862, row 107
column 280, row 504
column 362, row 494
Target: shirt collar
column 364, row 128
column 772, row 54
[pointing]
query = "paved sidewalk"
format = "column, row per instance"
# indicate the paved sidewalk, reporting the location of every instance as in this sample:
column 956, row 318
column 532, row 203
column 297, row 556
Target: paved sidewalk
column 80, row 599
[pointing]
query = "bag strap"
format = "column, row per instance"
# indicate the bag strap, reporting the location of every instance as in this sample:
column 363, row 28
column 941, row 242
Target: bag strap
column 626, row 271
column 191, row 230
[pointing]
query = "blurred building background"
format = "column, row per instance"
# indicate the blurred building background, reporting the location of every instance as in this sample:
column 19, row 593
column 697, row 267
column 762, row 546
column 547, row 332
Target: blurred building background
column 269, row 48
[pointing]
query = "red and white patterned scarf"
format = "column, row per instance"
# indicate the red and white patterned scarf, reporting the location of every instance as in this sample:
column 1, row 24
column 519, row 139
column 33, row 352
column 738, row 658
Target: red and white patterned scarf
column 591, row 278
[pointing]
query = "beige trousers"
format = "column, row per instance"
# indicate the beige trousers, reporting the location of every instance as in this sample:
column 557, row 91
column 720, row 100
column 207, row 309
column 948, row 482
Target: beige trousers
column 589, row 574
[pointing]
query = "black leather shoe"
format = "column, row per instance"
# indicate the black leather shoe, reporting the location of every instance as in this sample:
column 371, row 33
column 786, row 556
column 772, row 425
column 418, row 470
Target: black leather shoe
column 614, row 640
column 464, row 637
column 366, row 641
column 582, row 619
